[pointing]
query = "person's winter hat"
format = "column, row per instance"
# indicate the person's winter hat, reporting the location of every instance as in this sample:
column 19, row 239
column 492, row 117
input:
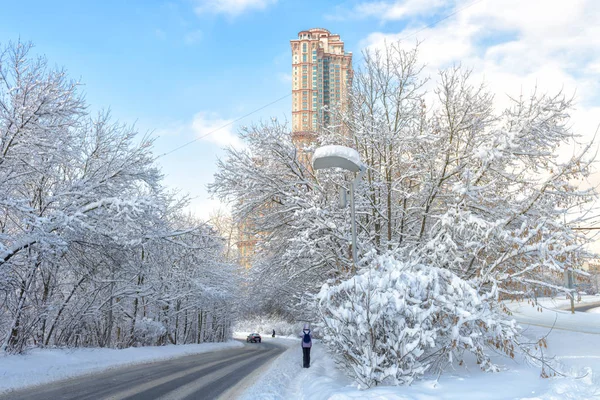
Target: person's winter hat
column 306, row 327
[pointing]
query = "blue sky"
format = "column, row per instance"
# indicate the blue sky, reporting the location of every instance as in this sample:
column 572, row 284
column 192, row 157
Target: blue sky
column 158, row 63
column 182, row 68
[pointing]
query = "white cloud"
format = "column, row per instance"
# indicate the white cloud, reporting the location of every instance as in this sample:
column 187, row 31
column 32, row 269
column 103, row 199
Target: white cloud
column 206, row 126
column 213, row 129
column 516, row 47
column 232, row 8
column 173, row 129
column 395, row 10
column 550, row 44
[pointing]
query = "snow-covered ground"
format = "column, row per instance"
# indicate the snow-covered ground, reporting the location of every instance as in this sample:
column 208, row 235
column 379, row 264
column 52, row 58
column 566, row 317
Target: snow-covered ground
column 47, row 365
column 286, row 379
column 564, row 303
column 275, row 383
column 577, row 354
column 553, row 314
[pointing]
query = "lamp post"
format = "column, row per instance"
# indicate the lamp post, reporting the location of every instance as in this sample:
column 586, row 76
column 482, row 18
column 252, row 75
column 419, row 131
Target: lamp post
column 333, row 156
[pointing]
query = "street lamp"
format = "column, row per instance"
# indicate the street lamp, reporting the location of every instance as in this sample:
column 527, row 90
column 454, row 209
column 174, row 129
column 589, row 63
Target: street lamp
column 333, row 156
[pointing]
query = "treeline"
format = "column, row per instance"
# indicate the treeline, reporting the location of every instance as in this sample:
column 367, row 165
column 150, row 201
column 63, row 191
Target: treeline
column 93, row 250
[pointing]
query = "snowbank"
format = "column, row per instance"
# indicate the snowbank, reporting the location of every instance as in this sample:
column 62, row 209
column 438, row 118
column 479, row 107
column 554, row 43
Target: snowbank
column 553, row 314
column 564, row 303
column 47, row 365
column 273, row 383
column 286, row 379
column 577, row 354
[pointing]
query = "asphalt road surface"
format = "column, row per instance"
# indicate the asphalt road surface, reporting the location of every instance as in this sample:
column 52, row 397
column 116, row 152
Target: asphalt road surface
column 202, row 376
column 586, row 307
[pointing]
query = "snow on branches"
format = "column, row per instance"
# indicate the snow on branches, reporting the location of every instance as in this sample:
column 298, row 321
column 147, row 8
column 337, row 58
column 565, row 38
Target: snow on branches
column 93, row 250
column 456, row 189
column 396, row 320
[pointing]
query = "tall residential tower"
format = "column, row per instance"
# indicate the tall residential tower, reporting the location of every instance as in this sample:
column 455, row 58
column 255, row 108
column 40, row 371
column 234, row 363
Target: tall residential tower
column 321, row 76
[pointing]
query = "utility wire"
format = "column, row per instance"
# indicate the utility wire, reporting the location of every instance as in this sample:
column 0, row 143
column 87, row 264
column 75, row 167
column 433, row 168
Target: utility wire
column 289, row 94
column 224, row 126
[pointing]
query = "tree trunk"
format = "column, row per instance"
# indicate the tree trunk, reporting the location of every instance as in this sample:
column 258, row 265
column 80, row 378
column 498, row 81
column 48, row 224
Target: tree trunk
column 62, row 308
column 12, row 339
column 199, row 327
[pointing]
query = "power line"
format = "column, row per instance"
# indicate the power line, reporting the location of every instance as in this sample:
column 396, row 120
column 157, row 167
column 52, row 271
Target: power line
column 224, row 126
column 288, row 95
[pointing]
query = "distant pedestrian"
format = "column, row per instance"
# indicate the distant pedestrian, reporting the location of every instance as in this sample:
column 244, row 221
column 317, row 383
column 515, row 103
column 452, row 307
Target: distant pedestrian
column 273, row 332
column 306, row 345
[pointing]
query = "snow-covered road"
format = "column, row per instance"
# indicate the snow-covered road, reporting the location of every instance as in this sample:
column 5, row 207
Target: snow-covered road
column 41, row 366
column 208, row 371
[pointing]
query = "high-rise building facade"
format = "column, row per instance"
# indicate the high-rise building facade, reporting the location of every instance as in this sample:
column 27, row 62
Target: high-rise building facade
column 246, row 244
column 321, row 77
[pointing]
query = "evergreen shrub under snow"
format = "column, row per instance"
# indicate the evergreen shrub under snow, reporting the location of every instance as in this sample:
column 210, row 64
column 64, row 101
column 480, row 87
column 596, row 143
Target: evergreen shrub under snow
column 395, row 320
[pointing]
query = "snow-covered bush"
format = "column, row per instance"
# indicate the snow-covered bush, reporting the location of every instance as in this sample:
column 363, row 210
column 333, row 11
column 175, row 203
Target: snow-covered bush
column 395, row 320
column 148, row 332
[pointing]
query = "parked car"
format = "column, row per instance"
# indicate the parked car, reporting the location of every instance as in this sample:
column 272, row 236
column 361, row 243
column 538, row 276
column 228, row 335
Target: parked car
column 253, row 338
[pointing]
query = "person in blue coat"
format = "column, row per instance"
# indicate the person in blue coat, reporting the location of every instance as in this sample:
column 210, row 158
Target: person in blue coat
column 306, row 346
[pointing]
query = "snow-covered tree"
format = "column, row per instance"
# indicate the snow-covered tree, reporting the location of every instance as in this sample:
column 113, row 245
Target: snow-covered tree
column 277, row 196
column 475, row 200
column 489, row 195
column 90, row 242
